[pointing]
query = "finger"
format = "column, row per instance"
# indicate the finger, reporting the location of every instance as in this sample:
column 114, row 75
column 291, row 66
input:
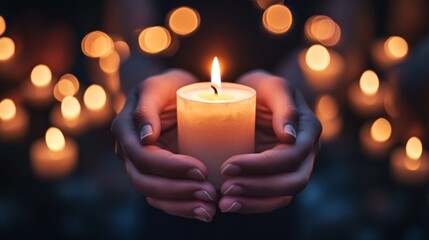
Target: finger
column 275, row 96
column 284, row 184
column 157, row 99
column 161, row 187
column 152, row 159
column 246, row 205
column 282, row 157
column 200, row 210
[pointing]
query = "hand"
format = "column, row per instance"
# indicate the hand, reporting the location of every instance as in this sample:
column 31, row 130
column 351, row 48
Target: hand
column 171, row 182
column 265, row 181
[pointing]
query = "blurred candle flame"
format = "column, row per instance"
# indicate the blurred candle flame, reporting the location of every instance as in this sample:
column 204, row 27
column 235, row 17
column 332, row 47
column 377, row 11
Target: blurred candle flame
column 154, row 40
column 96, row 44
column 183, row 20
column 7, row 109
column 55, row 139
column 414, row 148
column 41, row 75
column 7, row 48
column 317, row 57
column 94, row 97
column 369, row 83
column 277, row 19
column 70, row 108
column 2, row 25
column 396, row 47
column 381, row 130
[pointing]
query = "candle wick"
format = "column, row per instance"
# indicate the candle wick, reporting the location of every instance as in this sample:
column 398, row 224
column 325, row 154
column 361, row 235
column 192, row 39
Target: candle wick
column 214, row 88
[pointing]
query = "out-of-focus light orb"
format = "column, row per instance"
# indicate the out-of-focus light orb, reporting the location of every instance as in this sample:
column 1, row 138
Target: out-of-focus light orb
column 73, row 80
column 96, row 44
column 7, row 48
column 122, row 48
column 2, row 25
column 110, row 63
column 41, row 75
column 396, row 47
column 264, row 4
column 66, row 87
column 317, row 57
column 277, row 19
column 412, row 164
column 381, row 130
column 323, row 29
column 153, row 40
column 70, row 108
column 94, row 97
column 55, row 139
column 7, row 109
column 414, row 148
column 369, row 83
column 327, row 107
column 183, row 20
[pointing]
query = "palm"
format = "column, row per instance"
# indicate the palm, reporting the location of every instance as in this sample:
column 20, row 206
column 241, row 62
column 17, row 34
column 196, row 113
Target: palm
column 265, row 137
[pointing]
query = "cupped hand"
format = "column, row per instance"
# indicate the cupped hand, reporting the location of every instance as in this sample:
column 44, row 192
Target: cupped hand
column 146, row 134
column 287, row 138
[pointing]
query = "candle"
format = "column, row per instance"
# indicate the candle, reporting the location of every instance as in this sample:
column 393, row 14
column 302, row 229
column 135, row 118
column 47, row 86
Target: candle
column 322, row 68
column 55, row 156
column 376, row 137
column 97, row 105
column 367, row 97
column 68, row 117
column 410, row 165
column 40, row 90
column 13, row 120
column 327, row 112
column 215, row 122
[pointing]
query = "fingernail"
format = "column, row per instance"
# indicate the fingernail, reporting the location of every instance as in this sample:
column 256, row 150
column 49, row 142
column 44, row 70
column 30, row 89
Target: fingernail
column 196, row 174
column 234, row 190
column 201, row 214
column 204, row 195
column 146, row 131
column 289, row 129
column 235, row 206
column 230, row 169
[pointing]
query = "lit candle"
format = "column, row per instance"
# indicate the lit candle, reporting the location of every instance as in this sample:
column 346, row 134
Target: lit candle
column 327, row 112
column 322, row 68
column 367, row 97
column 68, row 117
column 98, row 109
column 215, row 122
column 376, row 137
column 391, row 51
column 13, row 120
column 410, row 165
column 55, row 156
column 40, row 90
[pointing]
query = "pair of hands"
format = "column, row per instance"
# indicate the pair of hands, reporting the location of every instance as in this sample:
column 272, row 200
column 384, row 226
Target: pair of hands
column 287, row 138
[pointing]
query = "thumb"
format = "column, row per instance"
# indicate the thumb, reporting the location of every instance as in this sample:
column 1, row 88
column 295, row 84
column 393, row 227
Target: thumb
column 158, row 97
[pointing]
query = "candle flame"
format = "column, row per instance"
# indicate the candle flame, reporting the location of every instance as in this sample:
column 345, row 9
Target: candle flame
column 215, row 81
column 70, row 108
column 381, row 130
column 55, row 139
column 414, row 148
column 94, row 97
column 41, row 75
column 317, row 57
column 7, row 109
column 369, row 83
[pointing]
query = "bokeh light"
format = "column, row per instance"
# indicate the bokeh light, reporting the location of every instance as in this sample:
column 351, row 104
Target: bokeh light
column 70, row 108
column 94, row 97
column 317, row 57
column 396, row 47
column 277, row 19
column 369, row 83
column 41, row 75
column 110, row 63
column 7, row 48
column 122, row 48
column 2, row 25
column 323, row 29
column 381, row 130
column 96, row 44
column 414, row 148
column 154, row 40
column 327, row 108
column 264, row 4
column 183, row 20
column 55, row 139
column 7, row 109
